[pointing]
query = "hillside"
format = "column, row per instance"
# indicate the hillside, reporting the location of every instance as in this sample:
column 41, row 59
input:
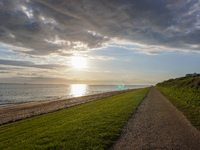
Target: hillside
column 184, row 93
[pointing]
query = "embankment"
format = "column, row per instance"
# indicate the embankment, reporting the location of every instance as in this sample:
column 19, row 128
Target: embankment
column 94, row 125
column 184, row 93
column 14, row 113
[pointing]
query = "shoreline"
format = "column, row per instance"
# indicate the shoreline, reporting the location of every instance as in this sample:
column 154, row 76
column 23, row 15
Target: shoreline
column 18, row 112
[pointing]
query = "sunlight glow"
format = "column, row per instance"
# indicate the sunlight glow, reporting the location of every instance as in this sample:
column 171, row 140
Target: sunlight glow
column 77, row 90
column 78, row 62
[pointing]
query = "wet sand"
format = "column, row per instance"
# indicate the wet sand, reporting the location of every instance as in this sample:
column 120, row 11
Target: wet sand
column 14, row 113
column 157, row 124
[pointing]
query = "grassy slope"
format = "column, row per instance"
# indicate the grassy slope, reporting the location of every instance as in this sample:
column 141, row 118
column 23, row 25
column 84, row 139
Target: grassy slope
column 94, row 125
column 184, row 93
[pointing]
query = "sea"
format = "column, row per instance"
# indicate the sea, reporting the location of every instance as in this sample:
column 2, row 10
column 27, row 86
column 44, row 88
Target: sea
column 17, row 94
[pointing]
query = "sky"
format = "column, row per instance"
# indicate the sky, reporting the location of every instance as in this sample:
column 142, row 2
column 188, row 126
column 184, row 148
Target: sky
column 135, row 42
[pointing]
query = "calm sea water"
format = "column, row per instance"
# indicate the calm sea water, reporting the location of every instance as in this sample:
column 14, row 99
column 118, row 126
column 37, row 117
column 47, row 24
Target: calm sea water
column 15, row 94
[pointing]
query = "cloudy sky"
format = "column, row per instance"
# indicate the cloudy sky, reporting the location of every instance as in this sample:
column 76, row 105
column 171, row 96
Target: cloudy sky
column 98, row 41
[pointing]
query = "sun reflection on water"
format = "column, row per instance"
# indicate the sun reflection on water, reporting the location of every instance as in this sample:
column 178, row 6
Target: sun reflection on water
column 77, row 90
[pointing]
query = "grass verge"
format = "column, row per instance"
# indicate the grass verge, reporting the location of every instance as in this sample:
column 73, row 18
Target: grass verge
column 184, row 93
column 94, row 125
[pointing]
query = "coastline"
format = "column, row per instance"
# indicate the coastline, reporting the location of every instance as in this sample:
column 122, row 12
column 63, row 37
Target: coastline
column 19, row 112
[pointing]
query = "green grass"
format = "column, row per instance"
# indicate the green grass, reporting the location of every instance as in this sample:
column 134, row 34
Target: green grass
column 184, row 93
column 94, row 125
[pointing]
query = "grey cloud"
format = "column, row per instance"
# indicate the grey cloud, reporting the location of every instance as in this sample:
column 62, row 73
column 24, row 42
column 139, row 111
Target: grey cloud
column 56, row 26
column 29, row 74
column 30, row 64
column 9, row 68
column 6, row 72
column 3, row 68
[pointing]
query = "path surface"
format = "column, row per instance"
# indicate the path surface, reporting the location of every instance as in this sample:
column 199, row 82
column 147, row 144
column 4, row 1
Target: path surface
column 157, row 124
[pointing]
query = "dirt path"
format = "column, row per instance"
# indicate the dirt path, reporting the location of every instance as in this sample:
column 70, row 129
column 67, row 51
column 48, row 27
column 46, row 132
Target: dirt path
column 157, row 124
column 14, row 113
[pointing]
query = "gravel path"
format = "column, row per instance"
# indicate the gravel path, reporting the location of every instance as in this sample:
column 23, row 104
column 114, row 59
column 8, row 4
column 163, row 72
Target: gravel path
column 14, row 113
column 157, row 124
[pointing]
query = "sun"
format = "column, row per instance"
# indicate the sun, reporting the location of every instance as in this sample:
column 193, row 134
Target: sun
column 78, row 62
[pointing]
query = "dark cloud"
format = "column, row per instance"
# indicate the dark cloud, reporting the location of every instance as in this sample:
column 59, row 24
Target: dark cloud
column 8, row 68
column 6, row 72
column 29, row 74
column 30, row 64
column 56, row 26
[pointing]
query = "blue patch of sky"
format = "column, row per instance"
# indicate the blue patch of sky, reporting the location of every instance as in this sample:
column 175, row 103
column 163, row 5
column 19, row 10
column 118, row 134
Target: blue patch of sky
column 4, row 48
column 171, row 64
column 116, row 52
column 174, row 63
column 4, row 52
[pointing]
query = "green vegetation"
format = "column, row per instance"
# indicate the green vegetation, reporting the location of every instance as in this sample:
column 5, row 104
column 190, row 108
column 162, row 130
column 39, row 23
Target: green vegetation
column 94, row 125
column 184, row 93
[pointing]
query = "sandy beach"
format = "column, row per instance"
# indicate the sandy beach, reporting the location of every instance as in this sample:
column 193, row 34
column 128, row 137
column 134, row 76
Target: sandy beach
column 19, row 112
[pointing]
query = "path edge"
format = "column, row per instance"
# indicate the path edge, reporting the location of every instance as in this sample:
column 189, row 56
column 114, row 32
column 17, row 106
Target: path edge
column 133, row 113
